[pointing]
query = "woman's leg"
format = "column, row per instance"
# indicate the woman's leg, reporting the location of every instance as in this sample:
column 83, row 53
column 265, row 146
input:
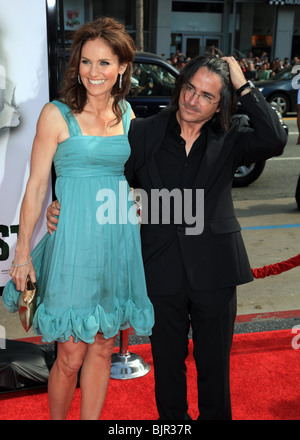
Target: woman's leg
column 63, row 377
column 95, row 376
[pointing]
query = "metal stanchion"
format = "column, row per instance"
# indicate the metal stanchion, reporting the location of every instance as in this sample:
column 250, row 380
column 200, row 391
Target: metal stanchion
column 126, row 365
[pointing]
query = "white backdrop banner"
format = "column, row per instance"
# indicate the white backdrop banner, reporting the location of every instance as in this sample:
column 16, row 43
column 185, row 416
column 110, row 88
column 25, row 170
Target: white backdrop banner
column 24, row 90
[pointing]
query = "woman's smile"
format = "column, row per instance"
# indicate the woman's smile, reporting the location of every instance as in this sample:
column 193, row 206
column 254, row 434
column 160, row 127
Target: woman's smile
column 96, row 81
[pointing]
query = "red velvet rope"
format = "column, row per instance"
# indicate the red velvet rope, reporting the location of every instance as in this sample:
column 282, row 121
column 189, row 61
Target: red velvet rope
column 277, row 268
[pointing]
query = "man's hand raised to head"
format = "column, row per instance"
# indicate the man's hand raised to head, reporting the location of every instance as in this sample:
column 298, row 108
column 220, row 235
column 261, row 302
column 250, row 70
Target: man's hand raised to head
column 236, row 74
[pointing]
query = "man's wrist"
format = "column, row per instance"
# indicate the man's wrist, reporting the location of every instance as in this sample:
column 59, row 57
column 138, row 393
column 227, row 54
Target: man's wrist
column 245, row 88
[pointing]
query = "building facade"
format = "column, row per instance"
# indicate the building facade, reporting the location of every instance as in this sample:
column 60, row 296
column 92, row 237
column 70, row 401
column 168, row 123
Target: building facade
column 244, row 26
column 194, row 26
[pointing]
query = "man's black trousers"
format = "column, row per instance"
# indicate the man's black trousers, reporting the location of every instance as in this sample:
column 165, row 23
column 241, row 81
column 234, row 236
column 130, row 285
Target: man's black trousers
column 211, row 315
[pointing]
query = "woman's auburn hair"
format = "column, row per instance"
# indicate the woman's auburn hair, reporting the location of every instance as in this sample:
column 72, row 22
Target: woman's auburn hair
column 115, row 35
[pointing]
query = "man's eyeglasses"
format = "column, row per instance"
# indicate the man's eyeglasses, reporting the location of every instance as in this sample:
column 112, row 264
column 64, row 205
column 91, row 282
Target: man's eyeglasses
column 189, row 93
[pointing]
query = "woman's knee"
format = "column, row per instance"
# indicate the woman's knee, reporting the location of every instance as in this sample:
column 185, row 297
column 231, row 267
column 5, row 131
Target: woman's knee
column 103, row 348
column 70, row 357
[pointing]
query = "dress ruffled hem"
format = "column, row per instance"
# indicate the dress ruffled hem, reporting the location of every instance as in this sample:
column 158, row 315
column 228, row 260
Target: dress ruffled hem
column 84, row 329
column 53, row 328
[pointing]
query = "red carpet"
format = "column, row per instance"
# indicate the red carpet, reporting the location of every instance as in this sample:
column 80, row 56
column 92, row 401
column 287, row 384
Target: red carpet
column 265, row 371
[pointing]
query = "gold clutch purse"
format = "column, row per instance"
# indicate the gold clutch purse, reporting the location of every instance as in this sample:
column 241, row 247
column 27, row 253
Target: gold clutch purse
column 27, row 304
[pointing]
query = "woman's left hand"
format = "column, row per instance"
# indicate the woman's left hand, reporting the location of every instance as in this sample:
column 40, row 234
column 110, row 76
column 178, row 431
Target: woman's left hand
column 19, row 275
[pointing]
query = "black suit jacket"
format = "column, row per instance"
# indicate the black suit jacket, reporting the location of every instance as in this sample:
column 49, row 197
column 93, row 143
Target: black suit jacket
column 217, row 257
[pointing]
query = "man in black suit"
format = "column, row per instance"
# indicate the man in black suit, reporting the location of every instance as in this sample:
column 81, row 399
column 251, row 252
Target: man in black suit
column 192, row 274
column 192, row 279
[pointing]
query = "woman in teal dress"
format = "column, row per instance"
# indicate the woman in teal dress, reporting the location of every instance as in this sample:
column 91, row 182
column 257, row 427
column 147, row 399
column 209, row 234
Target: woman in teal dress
column 89, row 272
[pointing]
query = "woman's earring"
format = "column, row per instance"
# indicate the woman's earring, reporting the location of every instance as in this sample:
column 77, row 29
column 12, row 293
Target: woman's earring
column 120, row 80
column 79, row 79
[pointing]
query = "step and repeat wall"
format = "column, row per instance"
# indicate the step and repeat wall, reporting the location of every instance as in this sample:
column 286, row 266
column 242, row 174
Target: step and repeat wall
column 24, row 90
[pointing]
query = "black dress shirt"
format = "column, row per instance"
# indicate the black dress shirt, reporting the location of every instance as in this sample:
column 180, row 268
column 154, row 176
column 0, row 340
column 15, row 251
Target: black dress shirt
column 176, row 169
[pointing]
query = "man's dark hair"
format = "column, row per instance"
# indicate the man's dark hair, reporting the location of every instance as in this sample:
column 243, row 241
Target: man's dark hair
column 228, row 103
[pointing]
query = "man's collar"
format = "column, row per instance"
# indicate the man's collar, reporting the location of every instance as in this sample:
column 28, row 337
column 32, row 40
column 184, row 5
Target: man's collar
column 175, row 126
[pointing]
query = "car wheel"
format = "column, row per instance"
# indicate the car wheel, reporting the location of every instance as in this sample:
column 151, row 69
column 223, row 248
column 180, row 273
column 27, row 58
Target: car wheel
column 246, row 175
column 280, row 102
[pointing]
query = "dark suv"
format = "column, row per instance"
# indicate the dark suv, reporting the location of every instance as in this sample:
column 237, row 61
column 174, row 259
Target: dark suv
column 153, row 82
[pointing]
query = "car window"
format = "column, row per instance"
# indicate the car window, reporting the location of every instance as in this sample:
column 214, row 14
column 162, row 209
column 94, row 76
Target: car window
column 151, row 79
column 285, row 74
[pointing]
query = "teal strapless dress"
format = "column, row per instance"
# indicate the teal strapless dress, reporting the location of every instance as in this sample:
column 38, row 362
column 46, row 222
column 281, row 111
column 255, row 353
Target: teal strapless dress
column 90, row 273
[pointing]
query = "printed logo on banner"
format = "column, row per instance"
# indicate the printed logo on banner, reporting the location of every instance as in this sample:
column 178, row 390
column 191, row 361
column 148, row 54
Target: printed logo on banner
column 5, row 232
